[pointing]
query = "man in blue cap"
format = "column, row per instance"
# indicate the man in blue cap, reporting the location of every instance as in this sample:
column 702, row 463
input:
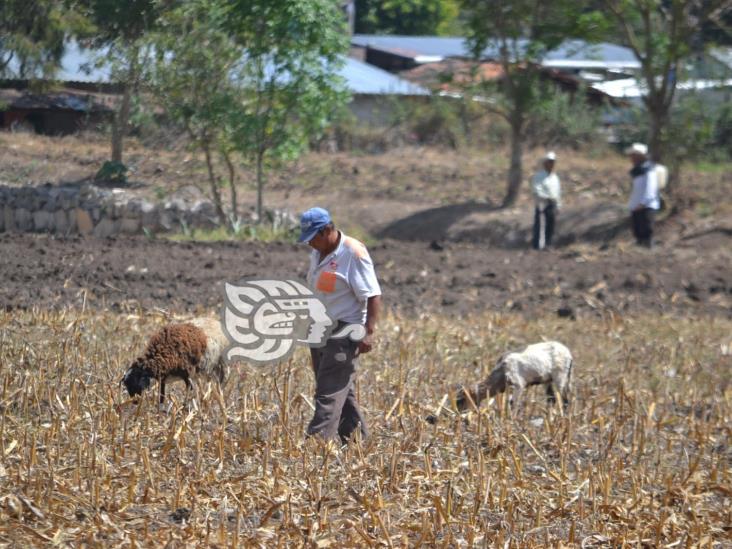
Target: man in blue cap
column 342, row 276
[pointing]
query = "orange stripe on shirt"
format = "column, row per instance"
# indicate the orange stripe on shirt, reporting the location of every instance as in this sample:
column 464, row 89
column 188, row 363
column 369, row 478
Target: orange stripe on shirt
column 357, row 247
column 326, row 282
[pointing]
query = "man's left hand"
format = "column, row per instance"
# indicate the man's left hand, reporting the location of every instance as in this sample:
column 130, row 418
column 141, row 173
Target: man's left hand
column 366, row 344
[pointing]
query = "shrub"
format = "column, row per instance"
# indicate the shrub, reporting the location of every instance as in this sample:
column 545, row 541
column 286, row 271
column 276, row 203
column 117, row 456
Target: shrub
column 565, row 120
column 112, row 172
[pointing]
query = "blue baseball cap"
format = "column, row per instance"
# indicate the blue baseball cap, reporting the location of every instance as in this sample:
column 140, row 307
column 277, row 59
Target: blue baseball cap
column 311, row 222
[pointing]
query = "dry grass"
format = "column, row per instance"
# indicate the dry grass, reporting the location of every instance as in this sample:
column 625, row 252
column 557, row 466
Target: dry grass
column 643, row 457
column 406, row 176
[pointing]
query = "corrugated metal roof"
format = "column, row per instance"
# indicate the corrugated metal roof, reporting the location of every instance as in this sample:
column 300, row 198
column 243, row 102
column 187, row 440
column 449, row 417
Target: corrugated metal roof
column 723, row 55
column 449, row 77
column 80, row 65
column 65, row 100
column 630, row 88
column 365, row 79
column 413, row 46
column 571, row 54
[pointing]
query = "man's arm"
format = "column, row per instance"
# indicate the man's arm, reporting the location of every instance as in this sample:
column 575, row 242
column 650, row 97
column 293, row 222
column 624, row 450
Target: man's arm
column 373, row 309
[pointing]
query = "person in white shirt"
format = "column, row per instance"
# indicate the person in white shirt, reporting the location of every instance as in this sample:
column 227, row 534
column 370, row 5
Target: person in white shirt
column 644, row 197
column 342, row 276
column 546, row 189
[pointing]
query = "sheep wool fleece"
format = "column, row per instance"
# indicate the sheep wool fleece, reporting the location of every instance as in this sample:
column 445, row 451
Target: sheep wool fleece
column 171, row 347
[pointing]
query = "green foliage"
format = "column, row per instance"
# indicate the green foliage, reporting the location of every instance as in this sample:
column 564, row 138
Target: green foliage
column 564, row 120
column 526, row 29
column 722, row 134
column 32, row 34
column 126, row 21
column 662, row 35
column 289, row 72
column 698, row 130
column 191, row 72
column 251, row 81
column 433, row 121
column 408, row 17
column 520, row 34
column 118, row 30
column 261, row 232
column 690, row 130
column 113, row 172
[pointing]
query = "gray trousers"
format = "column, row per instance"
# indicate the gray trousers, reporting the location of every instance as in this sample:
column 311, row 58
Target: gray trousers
column 336, row 410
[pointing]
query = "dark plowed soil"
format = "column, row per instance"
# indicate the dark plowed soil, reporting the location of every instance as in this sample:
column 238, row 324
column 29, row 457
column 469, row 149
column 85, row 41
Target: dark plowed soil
column 692, row 277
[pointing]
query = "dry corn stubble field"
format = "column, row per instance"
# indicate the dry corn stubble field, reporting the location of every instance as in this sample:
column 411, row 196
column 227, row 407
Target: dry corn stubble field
column 642, row 458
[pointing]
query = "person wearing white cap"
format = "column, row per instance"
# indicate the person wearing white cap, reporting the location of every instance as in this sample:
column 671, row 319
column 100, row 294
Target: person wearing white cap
column 546, row 189
column 342, row 276
column 644, row 197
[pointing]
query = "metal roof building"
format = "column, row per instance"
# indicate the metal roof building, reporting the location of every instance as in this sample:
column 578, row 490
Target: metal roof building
column 84, row 70
column 82, row 66
column 365, row 79
column 404, row 52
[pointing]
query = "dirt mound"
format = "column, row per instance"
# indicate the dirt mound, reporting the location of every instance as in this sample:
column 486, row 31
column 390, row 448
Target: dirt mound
column 433, row 223
column 508, row 228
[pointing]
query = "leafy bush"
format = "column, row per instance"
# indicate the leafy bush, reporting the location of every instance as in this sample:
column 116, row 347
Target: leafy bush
column 242, row 232
column 112, row 172
column 456, row 122
column 698, row 129
column 435, row 122
column 565, row 120
column 722, row 132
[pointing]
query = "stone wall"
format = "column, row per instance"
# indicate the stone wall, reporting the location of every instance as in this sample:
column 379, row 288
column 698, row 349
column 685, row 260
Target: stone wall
column 89, row 210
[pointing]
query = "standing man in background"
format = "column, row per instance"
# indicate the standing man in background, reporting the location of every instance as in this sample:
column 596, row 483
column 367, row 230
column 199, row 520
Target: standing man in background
column 644, row 199
column 546, row 189
column 342, row 276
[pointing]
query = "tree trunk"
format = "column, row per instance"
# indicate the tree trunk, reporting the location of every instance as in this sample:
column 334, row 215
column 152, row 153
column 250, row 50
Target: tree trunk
column 122, row 116
column 215, row 194
column 515, row 170
column 232, row 188
column 120, row 124
column 260, row 184
column 656, row 121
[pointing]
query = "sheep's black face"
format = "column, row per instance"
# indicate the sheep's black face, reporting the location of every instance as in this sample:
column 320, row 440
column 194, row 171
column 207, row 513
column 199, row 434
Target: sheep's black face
column 136, row 380
column 461, row 401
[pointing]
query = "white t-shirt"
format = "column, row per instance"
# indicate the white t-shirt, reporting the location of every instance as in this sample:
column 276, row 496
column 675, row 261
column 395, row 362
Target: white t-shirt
column 645, row 188
column 344, row 280
column 546, row 186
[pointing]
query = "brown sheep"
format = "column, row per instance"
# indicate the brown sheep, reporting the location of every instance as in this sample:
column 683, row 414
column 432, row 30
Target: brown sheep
column 179, row 351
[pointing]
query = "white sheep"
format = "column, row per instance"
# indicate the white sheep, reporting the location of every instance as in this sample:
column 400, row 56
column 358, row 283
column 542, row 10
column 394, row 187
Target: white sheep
column 548, row 363
column 180, row 351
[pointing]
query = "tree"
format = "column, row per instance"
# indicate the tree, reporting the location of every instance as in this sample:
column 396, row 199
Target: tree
column 521, row 33
column 250, row 81
column 119, row 30
column 192, row 78
column 407, row 17
column 32, row 34
column 662, row 34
